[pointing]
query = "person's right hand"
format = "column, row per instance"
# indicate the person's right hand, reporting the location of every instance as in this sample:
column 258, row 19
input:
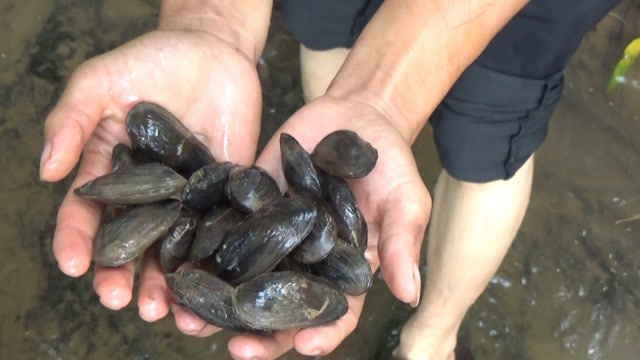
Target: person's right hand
column 206, row 81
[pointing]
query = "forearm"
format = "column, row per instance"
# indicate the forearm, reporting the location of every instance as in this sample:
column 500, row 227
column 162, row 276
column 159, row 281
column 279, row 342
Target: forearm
column 244, row 23
column 412, row 51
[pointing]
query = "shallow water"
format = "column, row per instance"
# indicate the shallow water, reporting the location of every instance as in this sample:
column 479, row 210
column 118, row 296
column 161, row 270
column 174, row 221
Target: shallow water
column 568, row 288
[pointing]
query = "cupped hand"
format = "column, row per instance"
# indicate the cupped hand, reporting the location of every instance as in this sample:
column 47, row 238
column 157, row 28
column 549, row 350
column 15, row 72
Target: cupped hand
column 205, row 81
column 393, row 199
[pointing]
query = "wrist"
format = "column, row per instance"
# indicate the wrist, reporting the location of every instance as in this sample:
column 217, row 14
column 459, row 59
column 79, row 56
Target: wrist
column 243, row 24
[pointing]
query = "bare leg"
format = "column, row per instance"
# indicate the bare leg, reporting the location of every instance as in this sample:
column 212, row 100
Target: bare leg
column 472, row 227
column 318, row 69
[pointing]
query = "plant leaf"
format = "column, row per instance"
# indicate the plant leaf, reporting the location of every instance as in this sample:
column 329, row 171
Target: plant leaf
column 631, row 52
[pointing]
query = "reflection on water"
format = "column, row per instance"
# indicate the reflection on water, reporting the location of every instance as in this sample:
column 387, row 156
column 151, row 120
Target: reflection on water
column 568, row 288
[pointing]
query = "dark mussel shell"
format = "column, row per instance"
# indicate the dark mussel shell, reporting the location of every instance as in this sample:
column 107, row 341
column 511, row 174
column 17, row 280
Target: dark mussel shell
column 284, row 300
column 266, row 236
column 175, row 244
column 345, row 154
column 141, row 184
column 159, row 136
column 250, row 188
column 205, row 188
column 123, row 156
column 347, row 268
column 206, row 296
column 344, row 208
column 211, row 231
column 317, row 245
column 128, row 235
column 297, row 166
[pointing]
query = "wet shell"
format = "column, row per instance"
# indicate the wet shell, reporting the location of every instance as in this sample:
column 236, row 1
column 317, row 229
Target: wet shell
column 317, row 245
column 177, row 242
column 345, row 154
column 206, row 296
column 344, row 208
column 128, row 235
column 123, row 156
column 347, row 268
column 159, row 136
column 205, row 188
column 142, row 184
column 284, row 300
column 211, row 231
column 297, row 166
column 250, row 188
column 265, row 237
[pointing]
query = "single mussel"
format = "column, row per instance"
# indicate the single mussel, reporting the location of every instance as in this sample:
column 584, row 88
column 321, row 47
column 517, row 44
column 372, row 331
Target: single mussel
column 250, row 188
column 141, row 184
column 266, row 236
column 297, row 166
column 284, row 300
column 128, row 235
column 211, row 231
column 158, row 135
column 175, row 244
column 345, row 154
column 123, row 156
column 344, row 208
column 205, row 188
column 347, row 268
column 205, row 295
column 317, row 245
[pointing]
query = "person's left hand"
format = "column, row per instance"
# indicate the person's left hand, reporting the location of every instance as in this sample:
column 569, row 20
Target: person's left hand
column 393, row 199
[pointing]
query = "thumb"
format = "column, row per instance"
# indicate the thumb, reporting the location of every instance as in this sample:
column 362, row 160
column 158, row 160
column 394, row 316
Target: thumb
column 405, row 215
column 71, row 122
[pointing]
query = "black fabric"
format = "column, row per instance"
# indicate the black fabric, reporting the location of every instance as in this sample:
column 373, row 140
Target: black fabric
column 540, row 40
column 327, row 24
column 490, row 123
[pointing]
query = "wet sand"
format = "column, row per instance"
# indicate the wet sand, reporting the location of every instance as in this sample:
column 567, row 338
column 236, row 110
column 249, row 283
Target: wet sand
column 568, row 288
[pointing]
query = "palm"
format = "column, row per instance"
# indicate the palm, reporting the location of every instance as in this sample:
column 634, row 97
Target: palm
column 204, row 81
column 392, row 197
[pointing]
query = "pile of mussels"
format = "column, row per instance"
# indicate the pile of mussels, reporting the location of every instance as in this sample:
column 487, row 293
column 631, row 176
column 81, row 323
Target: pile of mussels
column 261, row 261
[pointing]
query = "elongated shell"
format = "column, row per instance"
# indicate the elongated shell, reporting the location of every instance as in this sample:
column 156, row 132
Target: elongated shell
column 250, row 188
column 205, row 188
column 211, row 231
column 206, row 296
column 317, row 245
column 347, row 268
column 284, row 300
column 141, row 184
column 344, row 208
column 128, row 235
column 177, row 242
column 158, row 135
column 297, row 166
column 345, row 154
column 265, row 237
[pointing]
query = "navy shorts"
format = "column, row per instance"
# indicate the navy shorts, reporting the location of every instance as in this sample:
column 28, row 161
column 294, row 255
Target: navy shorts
column 496, row 115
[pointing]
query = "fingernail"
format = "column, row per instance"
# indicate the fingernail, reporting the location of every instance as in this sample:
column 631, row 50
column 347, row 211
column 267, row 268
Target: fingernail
column 417, row 284
column 44, row 158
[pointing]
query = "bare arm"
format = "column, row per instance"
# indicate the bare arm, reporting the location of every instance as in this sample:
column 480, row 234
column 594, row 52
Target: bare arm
column 412, row 52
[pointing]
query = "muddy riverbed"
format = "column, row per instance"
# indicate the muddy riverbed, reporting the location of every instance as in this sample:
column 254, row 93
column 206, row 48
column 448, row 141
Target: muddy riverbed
column 568, row 289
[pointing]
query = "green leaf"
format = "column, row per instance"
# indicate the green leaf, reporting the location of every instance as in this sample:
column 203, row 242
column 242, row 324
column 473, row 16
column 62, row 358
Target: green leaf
column 630, row 54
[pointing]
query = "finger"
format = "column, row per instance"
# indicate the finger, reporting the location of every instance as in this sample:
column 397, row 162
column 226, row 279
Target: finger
column 404, row 215
column 114, row 285
column 78, row 221
column 72, row 121
column 153, row 296
column 252, row 346
column 324, row 339
column 190, row 324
